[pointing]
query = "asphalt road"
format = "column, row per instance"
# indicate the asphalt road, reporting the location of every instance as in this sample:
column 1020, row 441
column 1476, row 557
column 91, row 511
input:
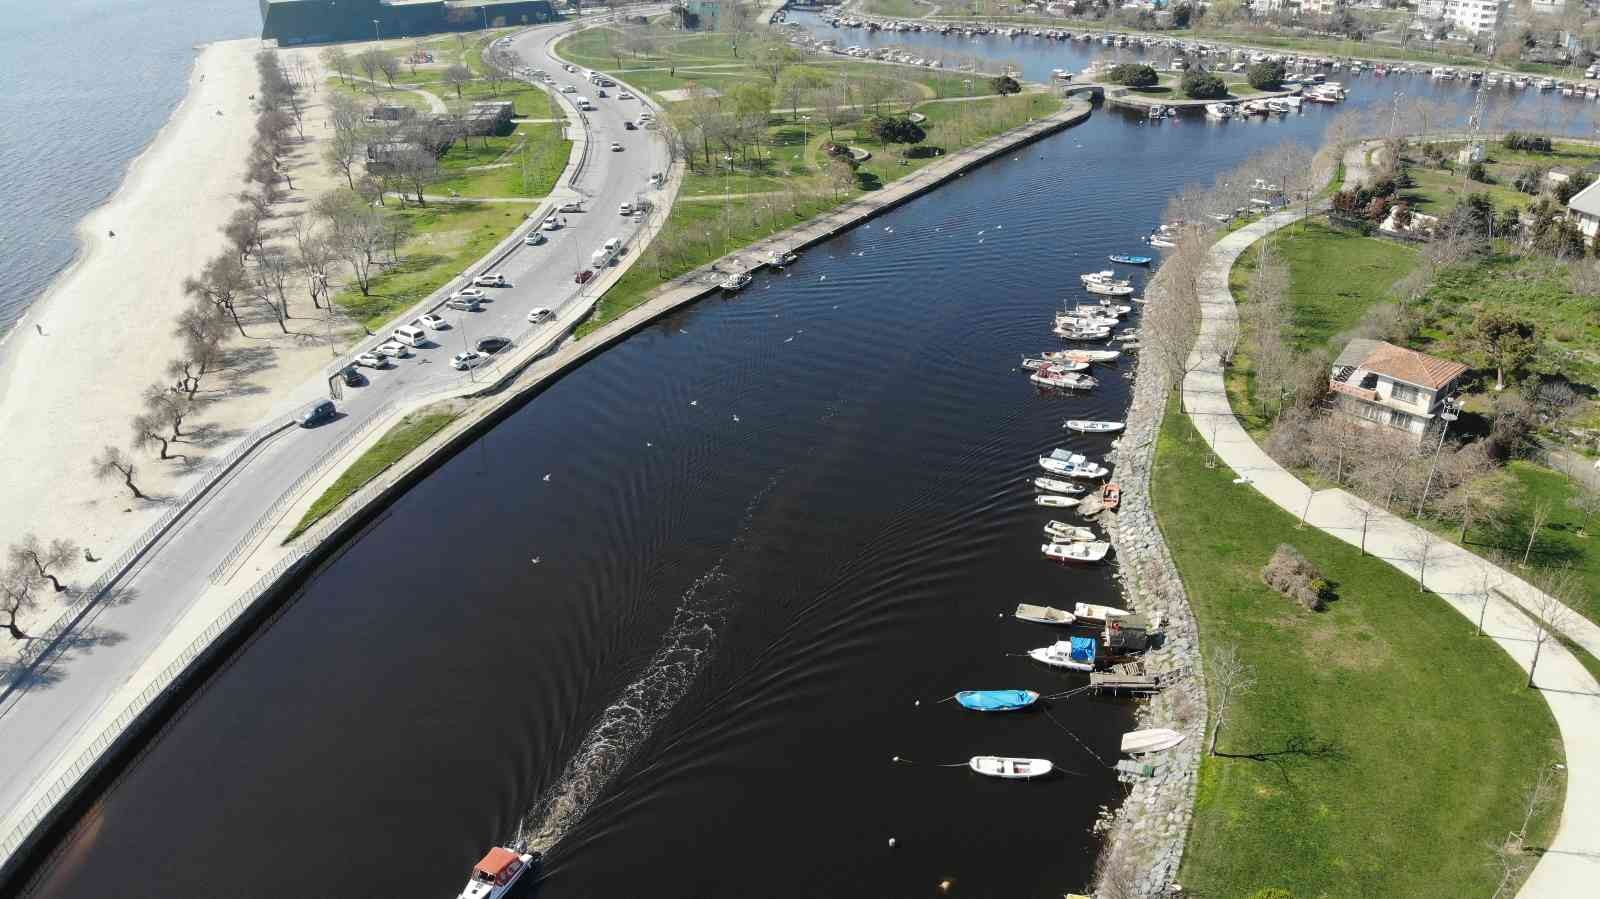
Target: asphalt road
column 40, row 723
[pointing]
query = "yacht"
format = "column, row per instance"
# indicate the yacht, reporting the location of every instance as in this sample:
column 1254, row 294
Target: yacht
column 498, row 871
column 1219, row 111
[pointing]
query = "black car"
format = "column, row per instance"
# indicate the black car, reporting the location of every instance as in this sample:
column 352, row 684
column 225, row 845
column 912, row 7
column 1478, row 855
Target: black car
column 493, row 345
column 630, row 126
column 351, row 376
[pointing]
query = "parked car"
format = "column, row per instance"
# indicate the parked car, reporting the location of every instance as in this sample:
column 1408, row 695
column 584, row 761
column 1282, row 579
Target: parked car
column 470, row 293
column 351, row 376
column 551, row 224
column 533, row 239
column 491, row 280
column 492, row 345
column 583, row 276
column 540, row 314
column 624, row 95
column 372, row 360
column 613, row 245
column 468, row 359
column 315, row 414
column 463, row 304
column 393, row 349
column 572, row 206
column 629, row 126
column 616, row 146
column 432, row 322
column 568, row 89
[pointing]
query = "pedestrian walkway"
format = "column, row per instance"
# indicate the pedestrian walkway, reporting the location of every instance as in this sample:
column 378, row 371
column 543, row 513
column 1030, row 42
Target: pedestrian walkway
column 1570, row 866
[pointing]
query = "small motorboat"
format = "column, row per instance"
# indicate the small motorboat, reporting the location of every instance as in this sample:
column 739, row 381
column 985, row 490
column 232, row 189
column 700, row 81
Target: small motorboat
column 1083, row 470
column 496, row 873
column 1165, row 243
column 1074, row 653
column 1010, row 769
column 1089, row 613
column 736, row 282
column 1084, row 426
column 1068, row 332
column 1155, row 739
column 1043, row 614
column 1054, row 486
column 1082, row 355
column 996, row 700
column 1067, row 379
column 780, row 258
column 1131, row 260
column 1054, row 501
column 1061, row 365
column 1110, row 290
column 1060, row 532
column 1076, row 553
column 1104, row 276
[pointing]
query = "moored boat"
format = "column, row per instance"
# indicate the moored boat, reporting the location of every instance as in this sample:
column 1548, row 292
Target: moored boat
column 1048, row 360
column 1076, row 553
column 1054, row 501
column 1110, row 495
column 1043, row 614
column 1060, row 532
column 1074, row 653
column 1082, row 355
column 1054, row 486
column 1066, row 379
column 1089, row 613
column 736, row 282
column 996, row 700
column 1010, row 768
column 1110, row 290
column 1092, row 427
column 1153, row 739
column 1084, row 469
column 496, row 873
column 1131, row 260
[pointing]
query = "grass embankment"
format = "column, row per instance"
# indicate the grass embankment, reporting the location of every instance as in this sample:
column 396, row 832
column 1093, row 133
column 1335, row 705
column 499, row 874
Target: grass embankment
column 1357, row 769
column 393, row 446
column 786, row 180
column 527, row 163
column 1438, row 188
column 1335, row 276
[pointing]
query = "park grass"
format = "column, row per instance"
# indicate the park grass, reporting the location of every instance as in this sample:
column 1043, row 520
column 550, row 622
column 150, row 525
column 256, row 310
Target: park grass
column 547, row 149
column 1374, row 778
column 394, row 445
column 445, row 239
column 400, row 95
column 897, row 9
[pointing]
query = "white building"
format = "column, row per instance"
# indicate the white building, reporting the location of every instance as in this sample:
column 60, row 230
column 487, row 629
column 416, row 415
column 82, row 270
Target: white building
column 1391, row 386
column 1473, row 16
column 1320, row 7
column 1583, row 210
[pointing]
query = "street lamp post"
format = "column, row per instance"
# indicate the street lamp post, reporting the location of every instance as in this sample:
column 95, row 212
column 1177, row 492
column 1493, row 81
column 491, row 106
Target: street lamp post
column 485, row 11
column 1448, row 414
column 375, row 35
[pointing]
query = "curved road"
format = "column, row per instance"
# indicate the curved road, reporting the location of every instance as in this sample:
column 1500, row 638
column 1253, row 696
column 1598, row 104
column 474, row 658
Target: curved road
column 47, row 721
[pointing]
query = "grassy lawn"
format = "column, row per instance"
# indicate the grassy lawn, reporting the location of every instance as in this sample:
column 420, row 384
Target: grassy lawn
column 1359, row 770
column 445, row 239
column 526, row 164
column 365, row 92
column 1562, row 541
column 393, row 446
column 897, row 9
column 1438, row 190
column 1322, row 307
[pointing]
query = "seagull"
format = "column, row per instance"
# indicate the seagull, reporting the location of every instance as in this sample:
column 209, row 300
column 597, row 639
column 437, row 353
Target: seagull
column 694, row 402
column 789, row 339
column 534, row 560
column 980, row 233
column 682, row 331
column 648, row 443
column 547, row 479
column 736, row 418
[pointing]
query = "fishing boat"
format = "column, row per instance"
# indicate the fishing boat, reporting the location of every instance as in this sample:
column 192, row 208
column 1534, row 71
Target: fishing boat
column 1110, row 290
column 1155, row 739
column 1061, row 532
column 1065, row 379
column 1074, row 653
column 1105, row 276
column 1054, row 501
column 780, row 258
column 1076, row 553
column 1009, row 768
column 1089, row 613
column 1043, row 614
column 1054, row 486
column 496, row 873
column 996, row 700
column 1110, row 495
column 1047, row 361
column 1160, row 240
column 736, row 282
column 1131, row 260
column 1083, row 426
column 1084, row 469
column 1219, row 111
column 1082, row 355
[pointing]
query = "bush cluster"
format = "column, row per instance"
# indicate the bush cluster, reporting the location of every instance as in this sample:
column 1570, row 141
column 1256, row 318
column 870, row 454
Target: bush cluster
column 1535, row 143
column 1266, row 76
column 1203, row 86
column 1133, row 75
column 1293, row 575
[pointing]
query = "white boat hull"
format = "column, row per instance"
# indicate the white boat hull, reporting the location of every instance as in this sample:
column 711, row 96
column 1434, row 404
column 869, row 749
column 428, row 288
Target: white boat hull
column 1010, row 768
column 1046, row 656
column 1043, row 615
column 1093, row 427
column 1056, row 502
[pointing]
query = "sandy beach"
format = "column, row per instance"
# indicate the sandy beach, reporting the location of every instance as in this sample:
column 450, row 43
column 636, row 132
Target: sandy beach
column 72, row 372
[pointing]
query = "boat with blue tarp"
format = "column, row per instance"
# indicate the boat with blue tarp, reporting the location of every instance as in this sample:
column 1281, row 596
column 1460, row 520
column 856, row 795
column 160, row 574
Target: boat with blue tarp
column 996, row 700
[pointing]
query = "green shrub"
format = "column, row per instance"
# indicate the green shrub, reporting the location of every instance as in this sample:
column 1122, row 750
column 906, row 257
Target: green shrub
column 1203, row 86
column 1266, row 76
column 1133, row 75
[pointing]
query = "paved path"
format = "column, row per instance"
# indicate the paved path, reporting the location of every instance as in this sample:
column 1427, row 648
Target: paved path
column 435, row 105
column 1570, row 867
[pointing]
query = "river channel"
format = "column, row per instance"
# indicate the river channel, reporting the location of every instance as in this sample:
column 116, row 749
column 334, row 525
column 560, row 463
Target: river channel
column 675, row 615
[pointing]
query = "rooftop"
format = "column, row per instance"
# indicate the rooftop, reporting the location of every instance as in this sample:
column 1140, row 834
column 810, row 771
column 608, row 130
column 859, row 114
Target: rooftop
column 1586, row 201
column 1401, row 364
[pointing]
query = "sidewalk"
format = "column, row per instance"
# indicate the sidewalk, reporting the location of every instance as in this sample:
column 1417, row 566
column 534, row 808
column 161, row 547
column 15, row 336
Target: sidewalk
column 1571, row 864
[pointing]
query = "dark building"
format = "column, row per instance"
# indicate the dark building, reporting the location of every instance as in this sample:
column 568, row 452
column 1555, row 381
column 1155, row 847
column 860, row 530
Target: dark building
column 323, row 21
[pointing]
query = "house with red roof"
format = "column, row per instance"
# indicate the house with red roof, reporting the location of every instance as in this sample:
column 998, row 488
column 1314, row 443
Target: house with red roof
column 1393, row 387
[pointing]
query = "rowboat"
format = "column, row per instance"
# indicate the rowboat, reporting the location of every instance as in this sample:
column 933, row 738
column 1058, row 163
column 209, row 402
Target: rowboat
column 996, row 700
column 1055, row 486
column 1076, row 553
column 1065, row 379
column 1089, row 613
column 1082, row 355
column 1110, row 290
column 1043, row 614
column 1066, row 332
column 1162, row 242
column 1061, row 365
column 1083, row 426
column 1153, row 740
column 1068, row 533
column 1008, row 768
column 1054, row 501
column 1131, row 260
column 1075, row 653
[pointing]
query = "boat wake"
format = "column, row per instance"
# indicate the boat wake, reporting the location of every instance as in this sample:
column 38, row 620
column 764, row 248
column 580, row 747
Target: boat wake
column 624, row 726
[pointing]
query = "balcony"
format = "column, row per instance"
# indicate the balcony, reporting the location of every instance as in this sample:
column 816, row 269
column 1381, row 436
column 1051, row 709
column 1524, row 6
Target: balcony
column 1359, row 393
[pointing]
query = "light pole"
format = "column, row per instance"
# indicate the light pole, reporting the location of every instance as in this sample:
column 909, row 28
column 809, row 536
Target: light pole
column 375, row 35
column 1448, row 414
column 485, row 11
column 1394, row 113
column 805, row 136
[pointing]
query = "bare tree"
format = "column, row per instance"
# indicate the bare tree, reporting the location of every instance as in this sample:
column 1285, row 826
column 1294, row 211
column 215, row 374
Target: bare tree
column 315, row 259
column 339, row 61
column 1541, row 514
column 1488, row 581
column 416, row 167
column 112, row 462
column 273, row 270
column 1229, row 677
column 457, row 76
column 1506, row 857
column 222, row 283
column 149, row 431
column 16, row 597
column 1364, row 512
column 1586, row 503
column 1550, row 611
column 355, row 234
column 1423, row 548
column 45, row 560
column 243, row 231
column 389, row 65
column 169, row 408
column 345, row 150
column 201, row 329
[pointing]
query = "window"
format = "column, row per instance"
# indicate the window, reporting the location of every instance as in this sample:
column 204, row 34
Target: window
column 1404, row 393
column 1398, row 419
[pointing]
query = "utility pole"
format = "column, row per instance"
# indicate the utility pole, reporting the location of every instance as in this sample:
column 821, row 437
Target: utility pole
column 375, row 35
column 1447, row 415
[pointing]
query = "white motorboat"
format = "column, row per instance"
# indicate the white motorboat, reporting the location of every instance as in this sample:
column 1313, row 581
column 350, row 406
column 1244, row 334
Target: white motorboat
column 498, row 871
column 1050, row 361
column 1093, row 614
column 780, row 258
column 1043, row 614
column 1060, row 654
column 1064, row 379
column 1066, row 533
column 736, row 282
column 1054, row 486
column 1155, row 739
column 1093, row 427
column 1056, row 502
column 1105, row 276
column 1080, row 553
column 1070, row 333
column 1085, row 470
column 1219, row 111
column 1110, row 290
column 1165, row 243
column 1009, row 768
column 1086, row 318
column 1082, row 355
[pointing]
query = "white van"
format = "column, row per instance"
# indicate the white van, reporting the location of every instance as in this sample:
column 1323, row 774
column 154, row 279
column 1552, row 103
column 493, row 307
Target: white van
column 599, row 257
column 583, row 104
column 411, row 335
column 613, row 245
